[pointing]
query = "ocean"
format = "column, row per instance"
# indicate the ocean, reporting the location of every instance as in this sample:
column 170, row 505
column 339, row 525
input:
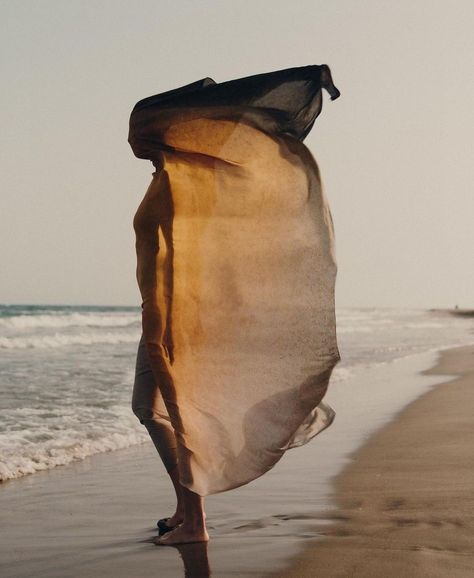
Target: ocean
column 66, row 373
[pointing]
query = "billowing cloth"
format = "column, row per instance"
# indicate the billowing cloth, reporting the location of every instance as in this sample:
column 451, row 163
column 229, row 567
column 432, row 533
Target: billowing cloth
column 236, row 269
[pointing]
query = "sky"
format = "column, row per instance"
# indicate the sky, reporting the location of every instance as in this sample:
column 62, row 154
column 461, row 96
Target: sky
column 395, row 150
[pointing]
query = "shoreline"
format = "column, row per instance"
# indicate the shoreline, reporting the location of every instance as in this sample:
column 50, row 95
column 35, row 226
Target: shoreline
column 405, row 500
column 97, row 515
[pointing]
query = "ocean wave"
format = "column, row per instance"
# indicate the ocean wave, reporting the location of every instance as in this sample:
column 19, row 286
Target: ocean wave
column 354, row 329
column 62, row 340
column 340, row 374
column 426, row 325
column 39, row 458
column 38, row 446
column 68, row 320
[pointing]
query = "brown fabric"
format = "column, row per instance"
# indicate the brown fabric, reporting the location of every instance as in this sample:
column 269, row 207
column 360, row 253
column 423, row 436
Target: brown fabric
column 236, row 268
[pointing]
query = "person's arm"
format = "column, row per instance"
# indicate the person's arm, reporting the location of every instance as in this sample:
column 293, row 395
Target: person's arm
column 170, row 96
column 285, row 89
column 285, row 101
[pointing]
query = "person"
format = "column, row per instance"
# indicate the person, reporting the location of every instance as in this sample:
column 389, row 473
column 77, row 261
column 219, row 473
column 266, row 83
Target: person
column 236, row 270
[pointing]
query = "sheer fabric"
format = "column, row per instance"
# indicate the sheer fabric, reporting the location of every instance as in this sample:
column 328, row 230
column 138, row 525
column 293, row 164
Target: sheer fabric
column 236, row 269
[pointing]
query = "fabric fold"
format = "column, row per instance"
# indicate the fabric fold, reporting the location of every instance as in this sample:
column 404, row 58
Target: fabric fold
column 236, row 269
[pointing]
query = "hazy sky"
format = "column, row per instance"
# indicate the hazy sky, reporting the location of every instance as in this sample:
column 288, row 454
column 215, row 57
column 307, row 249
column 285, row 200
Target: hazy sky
column 395, row 151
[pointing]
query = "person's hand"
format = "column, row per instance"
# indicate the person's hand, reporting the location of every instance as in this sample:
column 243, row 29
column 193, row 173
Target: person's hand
column 327, row 83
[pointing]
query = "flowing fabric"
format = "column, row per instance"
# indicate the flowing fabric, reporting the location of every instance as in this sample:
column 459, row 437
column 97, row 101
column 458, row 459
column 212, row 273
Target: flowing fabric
column 236, row 269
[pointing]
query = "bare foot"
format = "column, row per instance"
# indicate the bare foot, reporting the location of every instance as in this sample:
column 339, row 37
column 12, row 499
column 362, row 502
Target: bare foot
column 182, row 535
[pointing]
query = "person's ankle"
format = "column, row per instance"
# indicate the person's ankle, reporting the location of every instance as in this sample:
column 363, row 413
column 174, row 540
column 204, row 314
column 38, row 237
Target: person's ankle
column 177, row 517
column 195, row 524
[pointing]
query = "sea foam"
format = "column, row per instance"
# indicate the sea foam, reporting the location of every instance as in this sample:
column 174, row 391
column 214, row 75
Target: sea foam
column 70, row 320
column 62, row 340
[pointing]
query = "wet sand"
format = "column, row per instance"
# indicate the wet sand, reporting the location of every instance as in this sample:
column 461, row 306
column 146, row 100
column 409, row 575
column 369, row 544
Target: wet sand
column 97, row 516
column 406, row 500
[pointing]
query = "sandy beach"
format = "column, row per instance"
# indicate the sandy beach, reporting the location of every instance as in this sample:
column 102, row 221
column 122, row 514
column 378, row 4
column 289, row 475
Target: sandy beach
column 402, row 505
column 406, row 501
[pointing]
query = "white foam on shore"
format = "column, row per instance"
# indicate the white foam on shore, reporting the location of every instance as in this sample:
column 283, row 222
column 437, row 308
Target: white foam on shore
column 63, row 339
column 52, row 320
column 37, row 448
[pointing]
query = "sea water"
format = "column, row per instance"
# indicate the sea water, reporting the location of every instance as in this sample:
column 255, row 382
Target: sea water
column 66, row 373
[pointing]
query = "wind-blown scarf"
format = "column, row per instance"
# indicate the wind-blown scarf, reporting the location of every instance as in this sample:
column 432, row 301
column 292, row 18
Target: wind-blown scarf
column 236, row 268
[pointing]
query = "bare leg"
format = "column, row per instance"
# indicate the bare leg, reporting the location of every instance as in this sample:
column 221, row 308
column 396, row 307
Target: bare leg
column 149, row 407
column 178, row 516
column 193, row 528
column 154, row 383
